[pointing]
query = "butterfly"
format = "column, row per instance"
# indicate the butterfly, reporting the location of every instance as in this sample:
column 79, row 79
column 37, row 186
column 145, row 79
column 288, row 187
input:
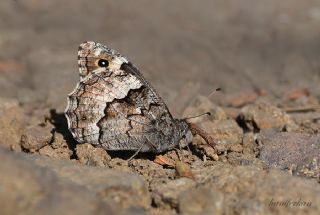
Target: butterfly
column 113, row 106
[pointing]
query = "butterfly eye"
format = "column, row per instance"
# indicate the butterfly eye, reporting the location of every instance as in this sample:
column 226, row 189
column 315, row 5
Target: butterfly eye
column 103, row 63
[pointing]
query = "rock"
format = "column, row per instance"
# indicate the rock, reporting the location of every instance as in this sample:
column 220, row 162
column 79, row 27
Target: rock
column 240, row 159
column 164, row 161
column 309, row 168
column 296, row 94
column 227, row 134
column 57, row 149
column 293, row 151
column 224, row 132
column 184, row 155
column 249, row 143
column 90, row 155
column 202, row 147
column 200, row 200
column 242, row 98
column 231, row 112
column 26, row 188
column 183, row 170
column 249, row 190
column 165, row 192
column 162, row 211
column 262, row 116
column 150, row 170
column 43, row 184
column 36, row 137
column 119, row 164
column 44, row 139
column 121, row 188
column 236, row 147
column 11, row 123
column 307, row 122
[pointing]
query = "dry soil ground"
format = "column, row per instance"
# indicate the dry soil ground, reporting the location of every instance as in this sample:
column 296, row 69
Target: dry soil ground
column 265, row 55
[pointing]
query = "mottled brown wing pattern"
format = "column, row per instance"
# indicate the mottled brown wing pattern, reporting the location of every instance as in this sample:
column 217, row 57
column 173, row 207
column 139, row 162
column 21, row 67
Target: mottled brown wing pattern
column 114, row 107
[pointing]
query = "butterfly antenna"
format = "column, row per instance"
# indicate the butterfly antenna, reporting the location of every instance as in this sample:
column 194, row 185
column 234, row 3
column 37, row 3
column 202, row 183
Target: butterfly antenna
column 213, row 92
column 191, row 117
column 207, row 113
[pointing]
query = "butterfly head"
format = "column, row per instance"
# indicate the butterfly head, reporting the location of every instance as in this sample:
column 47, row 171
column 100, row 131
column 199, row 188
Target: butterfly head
column 94, row 57
column 184, row 135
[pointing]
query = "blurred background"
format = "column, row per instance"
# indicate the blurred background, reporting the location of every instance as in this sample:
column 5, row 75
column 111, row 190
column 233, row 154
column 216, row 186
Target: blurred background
column 184, row 48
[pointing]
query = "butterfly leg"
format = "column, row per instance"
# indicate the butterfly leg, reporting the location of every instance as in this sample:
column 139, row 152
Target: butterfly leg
column 187, row 146
column 136, row 153
column 139, row 149
column 178, row 150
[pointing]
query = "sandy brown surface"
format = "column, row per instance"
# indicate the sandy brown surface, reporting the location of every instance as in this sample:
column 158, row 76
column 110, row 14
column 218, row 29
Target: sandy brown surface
column 263, row 54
